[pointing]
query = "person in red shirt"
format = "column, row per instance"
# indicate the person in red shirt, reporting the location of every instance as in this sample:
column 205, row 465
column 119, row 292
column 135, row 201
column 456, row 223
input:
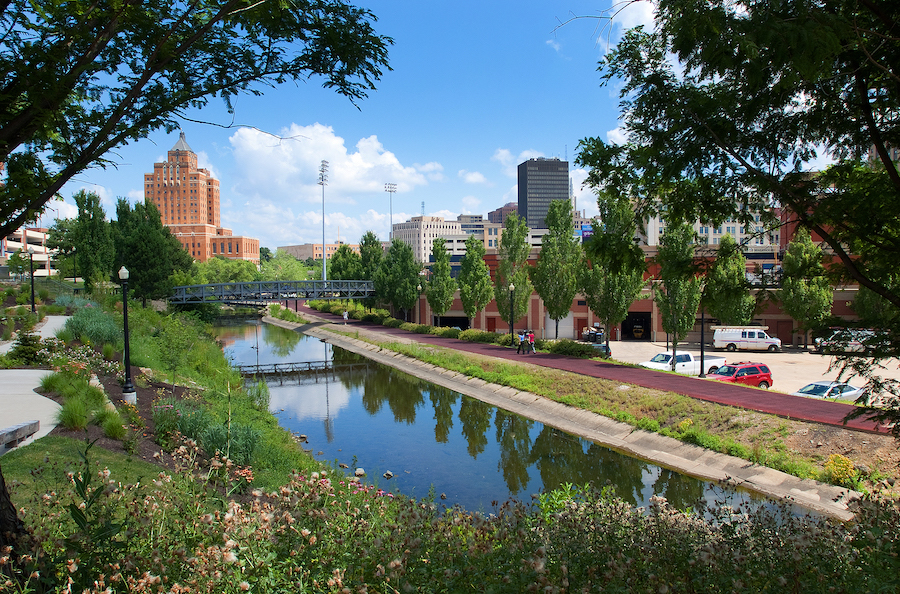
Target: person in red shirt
column 531, row 341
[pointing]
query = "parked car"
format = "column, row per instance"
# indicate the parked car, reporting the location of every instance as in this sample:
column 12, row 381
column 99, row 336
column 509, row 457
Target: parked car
column 686, row 363
column 851, row 340
column 603, row 351
column 750, row 374
column 744, row 338
column 826, row 389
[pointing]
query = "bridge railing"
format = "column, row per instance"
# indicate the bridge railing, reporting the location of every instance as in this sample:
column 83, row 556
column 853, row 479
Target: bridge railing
column 263, row 291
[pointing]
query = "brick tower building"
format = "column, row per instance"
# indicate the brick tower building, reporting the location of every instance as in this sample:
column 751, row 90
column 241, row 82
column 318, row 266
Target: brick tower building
column 188, row 201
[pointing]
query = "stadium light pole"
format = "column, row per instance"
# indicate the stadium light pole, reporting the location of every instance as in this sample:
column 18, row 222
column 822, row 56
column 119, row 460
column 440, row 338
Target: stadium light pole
column 323, row 181
column 391, row 188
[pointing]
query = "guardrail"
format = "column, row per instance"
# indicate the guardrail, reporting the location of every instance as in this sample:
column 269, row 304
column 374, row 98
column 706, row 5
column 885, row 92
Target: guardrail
column 261, row 292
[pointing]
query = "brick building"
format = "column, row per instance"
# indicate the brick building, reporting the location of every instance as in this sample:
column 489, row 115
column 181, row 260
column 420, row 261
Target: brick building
column 188, row 201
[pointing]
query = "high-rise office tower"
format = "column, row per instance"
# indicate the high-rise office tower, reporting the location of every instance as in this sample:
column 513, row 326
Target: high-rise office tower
column 188, row 201
column 540, row 182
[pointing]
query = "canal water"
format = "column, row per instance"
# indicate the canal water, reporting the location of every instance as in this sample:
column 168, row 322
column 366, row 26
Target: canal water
column 435, row 442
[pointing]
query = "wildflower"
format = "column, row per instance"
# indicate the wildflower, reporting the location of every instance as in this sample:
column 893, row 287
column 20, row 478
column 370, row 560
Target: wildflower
column 244, row 586
column 229, row 557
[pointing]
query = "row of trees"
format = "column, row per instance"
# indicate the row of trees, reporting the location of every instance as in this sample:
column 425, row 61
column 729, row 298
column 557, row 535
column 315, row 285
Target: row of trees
column 96, row 248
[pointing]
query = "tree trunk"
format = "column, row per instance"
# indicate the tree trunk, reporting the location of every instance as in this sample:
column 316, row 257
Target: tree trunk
column 11, row 527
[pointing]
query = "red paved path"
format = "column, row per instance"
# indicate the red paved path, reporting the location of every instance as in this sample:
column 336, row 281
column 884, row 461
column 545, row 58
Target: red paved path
column 767, row 401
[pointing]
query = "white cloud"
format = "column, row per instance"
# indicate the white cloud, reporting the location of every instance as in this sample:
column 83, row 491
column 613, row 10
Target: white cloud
column 585, row 199
column 555, row 45
column 471, row 205
column 275, row 194
column 510, row 162
column 472, row 177
column 617, row 136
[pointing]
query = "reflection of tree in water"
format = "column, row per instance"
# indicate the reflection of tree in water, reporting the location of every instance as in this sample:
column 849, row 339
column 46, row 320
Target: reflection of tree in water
column 476, row 418
column 680, row 491
column 355, row 378
column 561, row 458
column 401, row 392
column 281, row 340
column 513, row 436
column 442, row 399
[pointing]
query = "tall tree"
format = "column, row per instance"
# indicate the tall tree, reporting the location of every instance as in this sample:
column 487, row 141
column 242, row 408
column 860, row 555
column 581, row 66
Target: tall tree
column 474, row 279
column 513, row 269
column 613, row 276
column 806, row 293
column 95, row 250
column 727, row 294
column 370, row 254
column 61, row 239
column 82, row 78
column 345, row 264
column 441, row 286
column 756, row 92
column 555, row 274
column 282, row 266
column 397, row 277
column 147, row 249
column 677, row 294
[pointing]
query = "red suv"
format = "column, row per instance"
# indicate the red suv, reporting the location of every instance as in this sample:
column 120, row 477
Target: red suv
column 751, row 374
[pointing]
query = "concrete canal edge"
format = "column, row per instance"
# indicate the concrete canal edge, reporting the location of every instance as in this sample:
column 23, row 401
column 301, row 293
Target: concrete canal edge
column 663, row 451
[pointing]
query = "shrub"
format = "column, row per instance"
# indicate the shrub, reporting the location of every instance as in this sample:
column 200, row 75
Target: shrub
column 27, row 349
column 571, row 348
column 259, row 395
column 473, row 335
column 95, row 325
column 73, row 301
column 391, row 322
column 839, row 470
column 417, row 328
column 109, row 351
column 73, row 414
column 43, row 295
column 446, row 332
column 239, row 448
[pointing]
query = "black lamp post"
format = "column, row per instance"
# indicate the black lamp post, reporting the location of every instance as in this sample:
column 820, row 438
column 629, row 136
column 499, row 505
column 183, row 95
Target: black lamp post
column 31, row 271
column 512, row 294
column 128, row 393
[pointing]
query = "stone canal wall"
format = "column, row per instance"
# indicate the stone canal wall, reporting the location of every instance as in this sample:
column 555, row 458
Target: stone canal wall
column 661, row 450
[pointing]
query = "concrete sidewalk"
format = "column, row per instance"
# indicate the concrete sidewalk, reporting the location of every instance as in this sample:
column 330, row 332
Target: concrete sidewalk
column 18, row 400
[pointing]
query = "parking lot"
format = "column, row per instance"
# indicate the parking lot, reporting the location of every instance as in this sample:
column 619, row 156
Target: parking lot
column 791, row 369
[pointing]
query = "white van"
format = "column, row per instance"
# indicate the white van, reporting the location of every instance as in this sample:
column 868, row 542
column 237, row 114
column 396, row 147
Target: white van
column 744, row 338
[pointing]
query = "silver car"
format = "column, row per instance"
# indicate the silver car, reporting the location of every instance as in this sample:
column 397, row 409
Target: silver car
column 826, row 389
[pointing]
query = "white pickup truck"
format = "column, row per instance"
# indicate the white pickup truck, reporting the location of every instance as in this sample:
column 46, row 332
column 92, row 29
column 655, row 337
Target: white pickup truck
column 686, row 363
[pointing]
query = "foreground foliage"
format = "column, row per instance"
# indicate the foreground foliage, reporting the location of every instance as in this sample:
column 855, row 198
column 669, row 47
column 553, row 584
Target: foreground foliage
column 323, row 532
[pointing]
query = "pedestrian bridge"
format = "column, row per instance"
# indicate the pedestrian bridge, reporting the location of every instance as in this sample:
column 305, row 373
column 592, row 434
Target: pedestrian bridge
column 262, row 292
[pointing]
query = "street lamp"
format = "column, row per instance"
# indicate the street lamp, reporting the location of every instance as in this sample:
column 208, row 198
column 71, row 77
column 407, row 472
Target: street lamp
column 512, row 292
column 390, row 188
column 31, row 271
column 128, row 392
column 419, row 301
column 323, row 181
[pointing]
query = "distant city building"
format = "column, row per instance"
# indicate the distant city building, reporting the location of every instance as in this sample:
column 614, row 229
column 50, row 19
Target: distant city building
column 188, row 201
column 541, row 181
column 499, row 216
column 305, row 251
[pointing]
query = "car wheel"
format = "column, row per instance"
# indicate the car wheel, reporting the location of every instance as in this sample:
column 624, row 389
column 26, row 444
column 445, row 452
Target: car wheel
column 764, row 385
column 731, row 348
column 772, row 348
column 713, row 369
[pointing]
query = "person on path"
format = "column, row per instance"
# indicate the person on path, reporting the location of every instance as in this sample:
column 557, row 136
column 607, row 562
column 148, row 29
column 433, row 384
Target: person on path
column 521, row 348
column 531, row 341
column 345, row 318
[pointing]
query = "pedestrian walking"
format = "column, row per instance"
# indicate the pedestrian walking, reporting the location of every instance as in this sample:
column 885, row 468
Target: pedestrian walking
column 345, row 318
column 531, row 341
column 522, row 347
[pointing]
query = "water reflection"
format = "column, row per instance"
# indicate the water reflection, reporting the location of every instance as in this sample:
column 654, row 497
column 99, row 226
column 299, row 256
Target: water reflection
column 430, row 437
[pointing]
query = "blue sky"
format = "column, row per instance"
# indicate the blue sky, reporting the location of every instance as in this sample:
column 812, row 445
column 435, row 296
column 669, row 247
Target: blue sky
column 476, row 88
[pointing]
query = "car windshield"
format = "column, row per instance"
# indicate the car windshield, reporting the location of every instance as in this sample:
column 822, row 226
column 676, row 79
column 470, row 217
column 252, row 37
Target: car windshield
column 661, row 358
column 725, row 370
column 814, row 389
